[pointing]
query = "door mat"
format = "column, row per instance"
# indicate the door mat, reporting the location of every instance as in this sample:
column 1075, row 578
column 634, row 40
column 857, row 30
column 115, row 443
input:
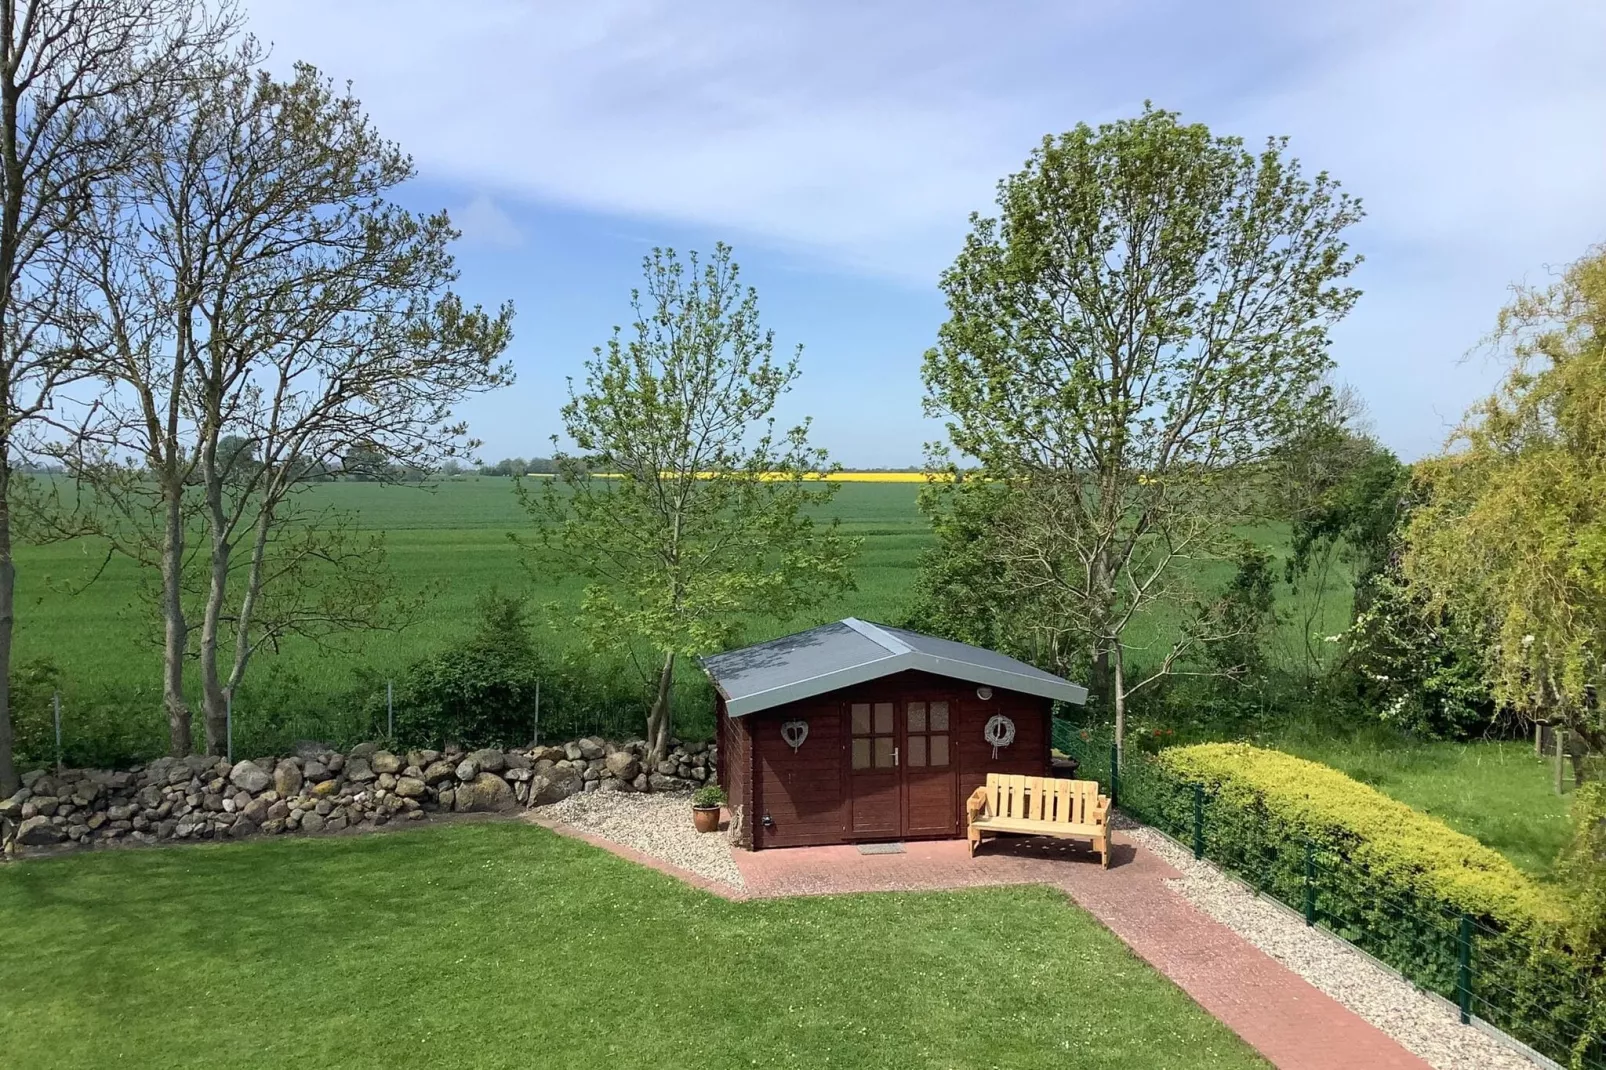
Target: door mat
column 881, row 848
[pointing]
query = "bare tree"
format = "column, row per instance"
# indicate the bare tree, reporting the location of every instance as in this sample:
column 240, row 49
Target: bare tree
column 269, row 312
column 67, row 68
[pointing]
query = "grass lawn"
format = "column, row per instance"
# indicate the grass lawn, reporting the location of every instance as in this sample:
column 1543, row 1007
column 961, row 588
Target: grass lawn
column 501, row 944
column 1496, row 792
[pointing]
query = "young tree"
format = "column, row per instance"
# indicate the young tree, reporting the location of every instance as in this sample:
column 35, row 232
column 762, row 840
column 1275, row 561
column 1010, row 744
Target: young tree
column 68, row 69
column 703, row 518
column 268, row 315
column 1511, row 533
column 1127, row 342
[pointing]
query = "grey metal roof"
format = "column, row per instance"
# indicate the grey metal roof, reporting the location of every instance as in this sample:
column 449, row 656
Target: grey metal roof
column 852, row 651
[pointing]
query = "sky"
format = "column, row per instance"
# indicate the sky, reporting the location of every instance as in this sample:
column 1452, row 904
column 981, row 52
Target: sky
column 840, row 148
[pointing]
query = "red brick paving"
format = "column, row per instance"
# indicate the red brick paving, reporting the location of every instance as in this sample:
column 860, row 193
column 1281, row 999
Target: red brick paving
column 1292, row 1023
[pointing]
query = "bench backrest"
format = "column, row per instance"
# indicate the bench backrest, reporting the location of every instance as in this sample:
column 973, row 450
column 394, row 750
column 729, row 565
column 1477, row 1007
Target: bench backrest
column 1035, row 798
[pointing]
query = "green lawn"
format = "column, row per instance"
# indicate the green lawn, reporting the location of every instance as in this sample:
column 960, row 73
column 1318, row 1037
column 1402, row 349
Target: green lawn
column 1496, row 792
column 501, row 944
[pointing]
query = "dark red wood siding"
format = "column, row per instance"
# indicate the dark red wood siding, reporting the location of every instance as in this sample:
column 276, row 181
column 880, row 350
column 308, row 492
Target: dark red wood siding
column 807, row 794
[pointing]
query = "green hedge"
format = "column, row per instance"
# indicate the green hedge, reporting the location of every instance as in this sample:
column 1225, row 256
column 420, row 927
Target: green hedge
column 1389, row 879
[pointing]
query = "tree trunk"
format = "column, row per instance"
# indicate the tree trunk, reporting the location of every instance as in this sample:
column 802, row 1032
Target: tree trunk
column 175, row 629
column 9, row 782
column 214, row 697
column 1119, row 673
column 659, row 717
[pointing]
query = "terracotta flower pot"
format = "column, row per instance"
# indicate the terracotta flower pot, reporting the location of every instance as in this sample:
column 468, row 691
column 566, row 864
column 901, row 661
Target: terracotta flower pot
column 706, row 818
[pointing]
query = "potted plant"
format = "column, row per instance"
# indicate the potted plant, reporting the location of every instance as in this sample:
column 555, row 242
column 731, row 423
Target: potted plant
column 705, row 804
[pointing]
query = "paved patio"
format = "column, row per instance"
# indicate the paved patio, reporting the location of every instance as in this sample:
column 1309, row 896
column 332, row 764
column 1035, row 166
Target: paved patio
column 1289, row 1021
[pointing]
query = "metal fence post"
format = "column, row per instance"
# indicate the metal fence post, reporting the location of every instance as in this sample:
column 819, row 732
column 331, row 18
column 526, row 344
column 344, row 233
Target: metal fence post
column 1463, row 970
column 390, row 712
column 55, row 705
column 228, row 720
column 1198, row 821
column 1310, row 883
column 1115, row 771
column 1561, row 754
column 536, row 728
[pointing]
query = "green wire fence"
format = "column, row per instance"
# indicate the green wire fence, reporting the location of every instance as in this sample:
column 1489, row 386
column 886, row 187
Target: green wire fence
column 1533, row 991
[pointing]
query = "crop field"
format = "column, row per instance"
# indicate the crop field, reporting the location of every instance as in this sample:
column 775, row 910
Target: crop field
column 89, row 614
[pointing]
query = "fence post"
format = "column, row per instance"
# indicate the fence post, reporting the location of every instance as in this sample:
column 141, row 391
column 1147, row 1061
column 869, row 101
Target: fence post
column 1463, row 970
column 228, row 720
column 1115, row 772
column 1561, row 754
column 390, row 712
column 536, row 729
column 1310, row 883
column 1198, row 821
column 55, row 705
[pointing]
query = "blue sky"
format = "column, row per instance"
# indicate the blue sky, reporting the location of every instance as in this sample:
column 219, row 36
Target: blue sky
column 840, row 147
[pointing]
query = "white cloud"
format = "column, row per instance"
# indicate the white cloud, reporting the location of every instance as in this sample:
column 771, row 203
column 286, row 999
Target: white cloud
column 863, row 135
column 482, row 221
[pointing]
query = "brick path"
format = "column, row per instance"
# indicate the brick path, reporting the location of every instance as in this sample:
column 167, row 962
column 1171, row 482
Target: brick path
column 1292, row 1023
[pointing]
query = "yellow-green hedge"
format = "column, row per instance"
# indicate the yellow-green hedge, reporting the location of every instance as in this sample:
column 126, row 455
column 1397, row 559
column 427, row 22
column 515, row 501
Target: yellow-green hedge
column 1387, row 836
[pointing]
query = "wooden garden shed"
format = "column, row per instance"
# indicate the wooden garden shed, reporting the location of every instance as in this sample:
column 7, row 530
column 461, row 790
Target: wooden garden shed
column 856, row 732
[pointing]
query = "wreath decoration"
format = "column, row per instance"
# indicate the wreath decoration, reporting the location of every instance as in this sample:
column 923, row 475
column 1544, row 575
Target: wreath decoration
column 794, row 733
column 1000, row 732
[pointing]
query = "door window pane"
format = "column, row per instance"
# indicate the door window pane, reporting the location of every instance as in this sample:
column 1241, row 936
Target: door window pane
column 861, row 754
column 917, row 716
column 917, row 751
column 883, row 752
column 939, row 750
column 883, row 718
column 861, row 718
column 939, row 716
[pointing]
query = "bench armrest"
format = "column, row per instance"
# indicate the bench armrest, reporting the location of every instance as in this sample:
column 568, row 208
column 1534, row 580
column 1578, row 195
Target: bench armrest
column 1101, row 811
column 976, row 805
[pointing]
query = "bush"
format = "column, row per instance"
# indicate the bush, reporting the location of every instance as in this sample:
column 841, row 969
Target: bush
column 480, row 692
column 1583, row 868
column 1395, row 882
column 708, row 795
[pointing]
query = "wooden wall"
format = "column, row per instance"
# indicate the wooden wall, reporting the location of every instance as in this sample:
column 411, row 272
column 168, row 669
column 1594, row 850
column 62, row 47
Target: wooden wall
column 807, row 794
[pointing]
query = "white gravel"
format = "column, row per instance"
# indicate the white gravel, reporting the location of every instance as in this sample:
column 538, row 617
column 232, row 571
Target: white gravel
column 1423, row 1025
column 659, row 824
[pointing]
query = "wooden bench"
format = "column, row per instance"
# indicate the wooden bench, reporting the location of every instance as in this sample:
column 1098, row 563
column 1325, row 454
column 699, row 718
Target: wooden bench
column 1039, row 806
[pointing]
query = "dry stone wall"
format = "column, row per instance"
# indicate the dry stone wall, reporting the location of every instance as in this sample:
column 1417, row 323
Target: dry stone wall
column 318, row 790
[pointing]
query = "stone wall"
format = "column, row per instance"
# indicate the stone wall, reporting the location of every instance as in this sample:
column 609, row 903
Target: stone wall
column 320, row 790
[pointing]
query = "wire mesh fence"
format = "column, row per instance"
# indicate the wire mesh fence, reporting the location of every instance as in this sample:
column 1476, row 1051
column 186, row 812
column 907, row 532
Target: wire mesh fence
column 1529, row 987
column 55, row 730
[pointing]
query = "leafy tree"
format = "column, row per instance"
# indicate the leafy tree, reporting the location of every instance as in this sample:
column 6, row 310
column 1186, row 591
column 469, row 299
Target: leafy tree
column 70, row 119
column 256, row 294
column 1126, row 344
column 706, row 517
column 1511, row 534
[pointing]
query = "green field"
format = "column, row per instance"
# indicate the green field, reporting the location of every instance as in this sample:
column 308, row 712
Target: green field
column 1496, row 792
column 90, row 615
column 504, row 945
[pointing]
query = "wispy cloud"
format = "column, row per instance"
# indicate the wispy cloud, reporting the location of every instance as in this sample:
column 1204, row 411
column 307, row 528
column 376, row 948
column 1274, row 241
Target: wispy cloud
column 482, row 221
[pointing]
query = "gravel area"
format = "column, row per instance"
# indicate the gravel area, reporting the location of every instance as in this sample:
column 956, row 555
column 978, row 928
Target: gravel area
column 1421, row 1024
column 658, row 824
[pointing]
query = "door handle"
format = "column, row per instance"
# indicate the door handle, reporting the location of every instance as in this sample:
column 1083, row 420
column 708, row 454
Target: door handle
column 894, row 756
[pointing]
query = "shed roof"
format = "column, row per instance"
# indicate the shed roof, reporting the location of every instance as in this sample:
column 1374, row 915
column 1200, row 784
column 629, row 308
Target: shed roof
column 853, row 651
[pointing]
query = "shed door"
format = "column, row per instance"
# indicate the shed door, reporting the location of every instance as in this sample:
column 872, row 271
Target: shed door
column 930, row 787
column 874, row 795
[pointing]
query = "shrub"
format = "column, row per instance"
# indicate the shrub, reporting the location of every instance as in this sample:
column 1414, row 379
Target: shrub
column 479, row 692
column 708, row 795
column 1583, row 868
column 1389, row 879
